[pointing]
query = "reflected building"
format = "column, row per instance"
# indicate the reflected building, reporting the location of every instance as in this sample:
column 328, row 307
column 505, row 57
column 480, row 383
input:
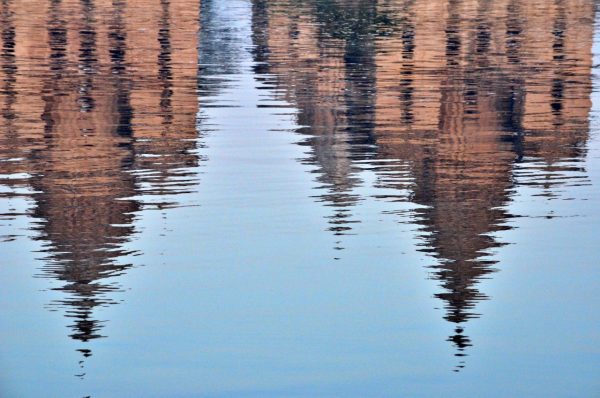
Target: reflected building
column 476, row 96
column 320, row 56
column 81, row 175
column 453, row 104
column 99, row 115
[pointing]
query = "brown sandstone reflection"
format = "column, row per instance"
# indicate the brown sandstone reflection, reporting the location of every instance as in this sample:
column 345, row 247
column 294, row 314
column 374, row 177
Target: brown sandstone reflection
column 321, row 54
column 98, row 113
column 463, row 99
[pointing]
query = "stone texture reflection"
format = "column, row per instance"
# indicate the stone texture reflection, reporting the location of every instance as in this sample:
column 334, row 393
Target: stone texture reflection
column 452, row 103
column 323, row 55
column 98, row 119
column 442, row 107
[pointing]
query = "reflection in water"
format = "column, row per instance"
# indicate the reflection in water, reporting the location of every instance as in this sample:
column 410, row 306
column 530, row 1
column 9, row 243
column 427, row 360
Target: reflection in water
column 451, row 103
column 113, row 128
column 87, row 142
column 323, row 55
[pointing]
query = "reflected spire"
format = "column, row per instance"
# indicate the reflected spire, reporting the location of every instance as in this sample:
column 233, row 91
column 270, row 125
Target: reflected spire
column 331, row 82
column 84, row 221
column 462, row 151
column 85, row 137
column 451, row 104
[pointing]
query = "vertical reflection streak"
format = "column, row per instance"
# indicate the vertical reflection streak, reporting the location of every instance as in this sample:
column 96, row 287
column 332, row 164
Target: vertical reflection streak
column 118, row 48
column 8, row 65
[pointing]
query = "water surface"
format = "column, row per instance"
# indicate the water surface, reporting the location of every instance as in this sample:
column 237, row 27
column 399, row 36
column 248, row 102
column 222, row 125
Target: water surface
column 278, row 198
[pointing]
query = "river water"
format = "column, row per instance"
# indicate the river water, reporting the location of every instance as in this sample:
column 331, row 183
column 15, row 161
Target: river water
column 279, row 198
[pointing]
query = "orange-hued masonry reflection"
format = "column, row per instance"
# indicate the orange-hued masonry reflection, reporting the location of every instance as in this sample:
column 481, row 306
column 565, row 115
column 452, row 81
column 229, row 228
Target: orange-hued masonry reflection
column 98, row 107
column 442, row 99
column 334, row 94
column 450, row 106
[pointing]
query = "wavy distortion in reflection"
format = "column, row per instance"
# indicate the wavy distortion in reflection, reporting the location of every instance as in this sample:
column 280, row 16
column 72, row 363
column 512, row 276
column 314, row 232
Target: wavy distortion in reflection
column 453, row 104
column 99, row 116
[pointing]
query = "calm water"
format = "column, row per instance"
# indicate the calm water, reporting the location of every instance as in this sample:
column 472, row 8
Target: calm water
column 280, row 198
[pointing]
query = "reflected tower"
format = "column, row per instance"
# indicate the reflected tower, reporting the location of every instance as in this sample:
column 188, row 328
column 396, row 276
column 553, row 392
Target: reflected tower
column 331, row 83
column 104, row 120
column 455, row 107
column 453, row 104
column 81, row 180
